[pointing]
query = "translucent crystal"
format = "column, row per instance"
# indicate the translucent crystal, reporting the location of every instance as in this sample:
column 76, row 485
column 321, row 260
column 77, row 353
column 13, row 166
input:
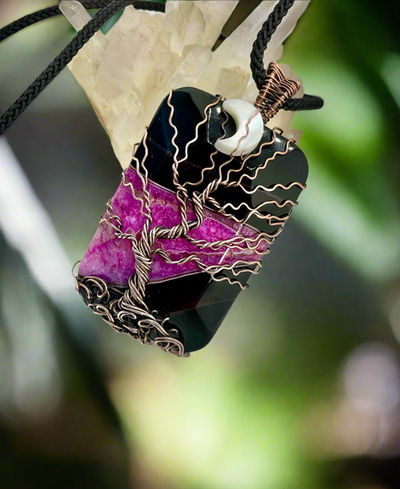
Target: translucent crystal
column 128, row 72
column 76, row 13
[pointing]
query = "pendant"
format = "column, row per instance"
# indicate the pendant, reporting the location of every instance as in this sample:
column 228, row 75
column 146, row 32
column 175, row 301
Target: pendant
column 208, row 191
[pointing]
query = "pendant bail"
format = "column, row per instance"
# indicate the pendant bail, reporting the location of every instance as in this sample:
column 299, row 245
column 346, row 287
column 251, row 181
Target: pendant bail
column 275, row 92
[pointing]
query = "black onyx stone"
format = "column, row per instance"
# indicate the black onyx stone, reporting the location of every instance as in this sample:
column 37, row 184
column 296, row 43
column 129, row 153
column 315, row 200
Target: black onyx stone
column 196, row 304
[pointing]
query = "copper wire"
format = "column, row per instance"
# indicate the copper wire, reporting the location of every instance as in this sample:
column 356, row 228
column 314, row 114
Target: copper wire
column 276, row 91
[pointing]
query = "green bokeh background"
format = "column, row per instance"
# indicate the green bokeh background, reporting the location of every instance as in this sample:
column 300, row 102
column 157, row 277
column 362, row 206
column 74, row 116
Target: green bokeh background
column 301, row 387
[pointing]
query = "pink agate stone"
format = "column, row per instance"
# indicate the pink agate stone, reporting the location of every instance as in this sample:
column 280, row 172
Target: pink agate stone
column 112, row 259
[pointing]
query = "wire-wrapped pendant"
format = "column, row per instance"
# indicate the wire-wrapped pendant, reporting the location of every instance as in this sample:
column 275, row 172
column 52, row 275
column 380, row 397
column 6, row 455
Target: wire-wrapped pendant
column 189, row 224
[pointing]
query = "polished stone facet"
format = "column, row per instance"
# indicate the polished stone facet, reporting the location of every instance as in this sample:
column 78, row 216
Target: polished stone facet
column 189, row 104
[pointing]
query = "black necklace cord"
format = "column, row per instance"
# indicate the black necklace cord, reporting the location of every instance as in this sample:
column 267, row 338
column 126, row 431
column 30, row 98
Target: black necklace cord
column 50, row 12
column 60, row 62
column 27, row 21
column 307, row 102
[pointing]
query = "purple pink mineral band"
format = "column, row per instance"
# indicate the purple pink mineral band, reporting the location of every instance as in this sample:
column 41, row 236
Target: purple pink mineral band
column 111, row 258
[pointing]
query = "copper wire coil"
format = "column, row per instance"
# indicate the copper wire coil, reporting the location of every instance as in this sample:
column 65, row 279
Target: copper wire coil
column 275, row 92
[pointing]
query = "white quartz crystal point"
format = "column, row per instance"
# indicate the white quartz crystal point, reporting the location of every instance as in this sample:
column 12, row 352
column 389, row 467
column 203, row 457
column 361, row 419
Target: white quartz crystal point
column 75, row 12
column 249, row 128
column 84, row 66
column 127, row 73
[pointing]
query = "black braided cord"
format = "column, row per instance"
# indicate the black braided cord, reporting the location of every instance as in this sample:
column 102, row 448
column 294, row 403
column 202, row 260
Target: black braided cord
column 61, row 61
column 49, row 12
column 28, row 20
column 308, row 102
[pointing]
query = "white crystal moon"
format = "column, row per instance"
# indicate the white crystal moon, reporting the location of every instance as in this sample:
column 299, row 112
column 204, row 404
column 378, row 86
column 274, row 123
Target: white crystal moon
column 249, row 128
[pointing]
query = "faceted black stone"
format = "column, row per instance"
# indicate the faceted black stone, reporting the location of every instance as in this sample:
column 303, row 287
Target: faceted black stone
column 196, row 304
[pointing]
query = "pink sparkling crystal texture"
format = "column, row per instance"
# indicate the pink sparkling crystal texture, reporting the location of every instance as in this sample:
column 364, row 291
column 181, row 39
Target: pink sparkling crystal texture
column 111, row 258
